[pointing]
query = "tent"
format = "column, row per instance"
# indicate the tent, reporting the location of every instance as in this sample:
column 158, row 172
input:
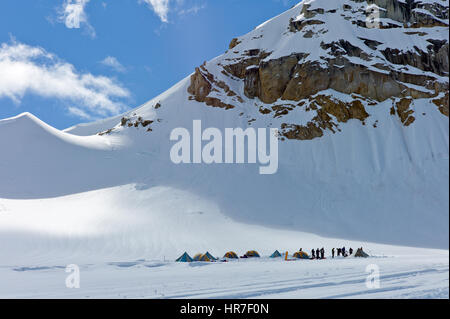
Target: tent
column 360, row 253
column 251, row 253
column 210, row 256
column 301, row 255
column 205, row 258
column 197, row 257
column 185, row 258
column 231, row 254
column 276, row 254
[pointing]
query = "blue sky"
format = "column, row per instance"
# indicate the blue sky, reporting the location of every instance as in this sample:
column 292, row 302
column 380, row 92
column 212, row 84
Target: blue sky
column 72, row 61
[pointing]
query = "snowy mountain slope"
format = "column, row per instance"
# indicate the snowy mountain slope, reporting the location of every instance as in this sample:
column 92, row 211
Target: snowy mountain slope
column 131, row 222
column 342, row 201
column 362, row 158
column 93, row 128
column 40, row 161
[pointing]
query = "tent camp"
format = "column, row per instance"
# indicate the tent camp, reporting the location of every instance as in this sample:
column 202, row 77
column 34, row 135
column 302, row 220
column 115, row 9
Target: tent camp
column 197, row 257
column 251, row 254
column 301, row 255
column 360, row 253
column 231, row 255
column 185, row 258
column 276, row 254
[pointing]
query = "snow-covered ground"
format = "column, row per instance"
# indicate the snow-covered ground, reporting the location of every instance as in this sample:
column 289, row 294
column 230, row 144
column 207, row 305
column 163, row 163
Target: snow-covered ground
column 125, row 240
column 120, row 209
column 415, row 274
column 117, row 207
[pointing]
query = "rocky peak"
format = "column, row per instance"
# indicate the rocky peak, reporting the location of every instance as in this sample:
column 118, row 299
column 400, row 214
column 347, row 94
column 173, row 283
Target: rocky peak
column 335, row 60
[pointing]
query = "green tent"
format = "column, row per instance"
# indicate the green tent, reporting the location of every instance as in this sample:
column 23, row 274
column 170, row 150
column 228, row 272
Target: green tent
column 361, row 253
column 276, row 254
column 185, row 258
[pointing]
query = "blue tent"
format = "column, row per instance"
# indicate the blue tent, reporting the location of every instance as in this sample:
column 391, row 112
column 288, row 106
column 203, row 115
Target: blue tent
column 211, row 257
column 276, row 254
column 185, row 258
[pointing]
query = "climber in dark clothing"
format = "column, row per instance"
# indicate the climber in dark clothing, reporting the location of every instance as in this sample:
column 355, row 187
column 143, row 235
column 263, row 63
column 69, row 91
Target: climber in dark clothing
column 332, row 253
column 313, row 253
column 339, row 251
column 322, row 253
column 318, row 253
column 350, row 251
column 343, row 251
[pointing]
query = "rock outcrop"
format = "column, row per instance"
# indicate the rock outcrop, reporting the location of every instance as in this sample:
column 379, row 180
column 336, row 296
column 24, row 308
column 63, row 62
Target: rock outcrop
column 203, row 83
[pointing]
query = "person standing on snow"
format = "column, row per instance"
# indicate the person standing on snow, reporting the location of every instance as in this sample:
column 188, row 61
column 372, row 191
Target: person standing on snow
column 332, row 253
column 313, row 253
column 322, row 253
column 343, row 251
column 350, row 251
column 318, row 253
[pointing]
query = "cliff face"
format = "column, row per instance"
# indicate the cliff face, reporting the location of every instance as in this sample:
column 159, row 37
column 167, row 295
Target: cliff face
column 335, row 59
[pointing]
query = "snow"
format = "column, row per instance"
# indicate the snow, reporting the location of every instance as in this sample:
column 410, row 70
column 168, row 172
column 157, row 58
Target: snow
column 120, row 209
column 336, row 171
column 87, row 129
column 125, row 238
column 416, row 275
column 93, row 230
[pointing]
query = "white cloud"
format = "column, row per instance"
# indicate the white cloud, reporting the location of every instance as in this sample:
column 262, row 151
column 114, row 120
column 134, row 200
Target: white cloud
column 160, row 7
column 192, row 10
column 79, row 113
column 25, row 69
column 182, row 7
column 73, row 15
column 113, row 63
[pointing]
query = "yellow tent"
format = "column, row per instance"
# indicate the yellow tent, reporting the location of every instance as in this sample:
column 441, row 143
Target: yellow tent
column 197, row 257
column 204, row 258
column 252, row 253
column 231, row 254
column 301, row 255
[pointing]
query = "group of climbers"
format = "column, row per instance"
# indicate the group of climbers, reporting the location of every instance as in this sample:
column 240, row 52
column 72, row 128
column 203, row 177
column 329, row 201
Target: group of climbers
column 342, row 252
column 318, row 253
